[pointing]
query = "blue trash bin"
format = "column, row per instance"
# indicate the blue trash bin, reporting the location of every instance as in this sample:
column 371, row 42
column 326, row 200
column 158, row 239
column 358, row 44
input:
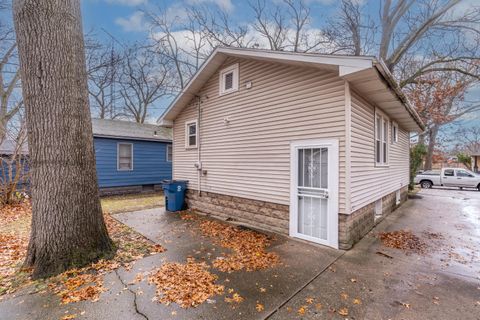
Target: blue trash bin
column 174, row 191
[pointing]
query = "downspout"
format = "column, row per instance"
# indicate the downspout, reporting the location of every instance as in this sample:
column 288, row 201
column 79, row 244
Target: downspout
column 199, row 159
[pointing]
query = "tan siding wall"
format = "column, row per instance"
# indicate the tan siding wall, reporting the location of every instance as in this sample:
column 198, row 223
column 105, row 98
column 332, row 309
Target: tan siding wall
column 368, row 182
column 250, row 157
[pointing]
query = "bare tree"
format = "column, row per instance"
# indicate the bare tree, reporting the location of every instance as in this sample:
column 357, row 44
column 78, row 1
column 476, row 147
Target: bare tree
column 10, row 101
column 67, row 222
column 351, row 32
column 287, row 26
column 104, row 68
column 434, row 28
column 467, row 140
column 439, row 101
column 144, row 80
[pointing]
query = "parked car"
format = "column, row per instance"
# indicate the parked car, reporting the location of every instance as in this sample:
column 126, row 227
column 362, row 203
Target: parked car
column 449, row 177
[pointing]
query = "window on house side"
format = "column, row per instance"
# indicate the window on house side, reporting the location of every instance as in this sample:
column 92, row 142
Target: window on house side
column 381, row 139
column 191, row 134
column 125, row 157
column 394, row 132
column 169, row 153
column 229, row 79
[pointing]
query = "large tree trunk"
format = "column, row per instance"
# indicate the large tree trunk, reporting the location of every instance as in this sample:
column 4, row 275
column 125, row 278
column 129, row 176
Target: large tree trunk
column 68, row 228
column 432, row 140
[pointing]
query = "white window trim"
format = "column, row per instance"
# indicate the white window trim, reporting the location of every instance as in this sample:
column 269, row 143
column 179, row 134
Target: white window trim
column 383, row 139
column 169, row 146
column 394, row 132
column 118, row 155
column 187, row 135
column 233, row 68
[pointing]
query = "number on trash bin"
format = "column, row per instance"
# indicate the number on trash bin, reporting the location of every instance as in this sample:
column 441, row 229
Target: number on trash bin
column 179, row 188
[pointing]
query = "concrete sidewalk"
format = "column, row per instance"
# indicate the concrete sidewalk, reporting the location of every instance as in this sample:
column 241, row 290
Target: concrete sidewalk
column 314, row 282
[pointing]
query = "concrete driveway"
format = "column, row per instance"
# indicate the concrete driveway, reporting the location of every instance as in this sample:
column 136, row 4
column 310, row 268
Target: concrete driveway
column 368, row 282
column 389, row 284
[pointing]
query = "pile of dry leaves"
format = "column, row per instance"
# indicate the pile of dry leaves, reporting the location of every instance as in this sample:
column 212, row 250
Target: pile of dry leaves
column 248, row 247
column 73, row 285
column 404, row 240
column 187, row 284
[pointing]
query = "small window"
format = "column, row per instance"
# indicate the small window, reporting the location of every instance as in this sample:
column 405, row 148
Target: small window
column 229, row 79
column 124, row 156
column 449, row 173
column 191, row 134
column 169, row 153
column 463, row 173
column 381, row 138
column 378, row 208
column 394, row 132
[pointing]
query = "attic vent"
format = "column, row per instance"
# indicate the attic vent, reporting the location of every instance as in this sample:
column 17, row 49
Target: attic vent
column 229, row 81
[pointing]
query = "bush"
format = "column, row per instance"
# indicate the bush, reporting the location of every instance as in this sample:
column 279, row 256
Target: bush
column 465, row 159
column 417, row 153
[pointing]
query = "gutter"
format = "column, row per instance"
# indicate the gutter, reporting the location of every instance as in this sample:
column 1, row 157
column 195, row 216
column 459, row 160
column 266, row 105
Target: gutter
column 130, row 138
column 392, row 83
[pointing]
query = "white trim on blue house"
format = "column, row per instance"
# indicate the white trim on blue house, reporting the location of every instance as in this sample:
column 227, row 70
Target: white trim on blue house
column 118, row 156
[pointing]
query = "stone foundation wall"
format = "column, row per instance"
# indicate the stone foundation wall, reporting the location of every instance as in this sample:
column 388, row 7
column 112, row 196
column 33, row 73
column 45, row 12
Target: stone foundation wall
column 259, row 214
column 356, row 225
column 275, row 217
column 115, row 191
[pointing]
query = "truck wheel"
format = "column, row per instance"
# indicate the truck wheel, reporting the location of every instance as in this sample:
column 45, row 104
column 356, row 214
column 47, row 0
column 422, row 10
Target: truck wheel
column 425, row 184
column 478, row 187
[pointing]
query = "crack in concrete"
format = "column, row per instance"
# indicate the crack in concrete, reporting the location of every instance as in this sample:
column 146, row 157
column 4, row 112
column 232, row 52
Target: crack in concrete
column 268, row 316
column 125, row 285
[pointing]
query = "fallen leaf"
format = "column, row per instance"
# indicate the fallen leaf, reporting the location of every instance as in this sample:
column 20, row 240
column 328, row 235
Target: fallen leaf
column 344, row 296
column 259, row 307
column 357, row 301
column 309, row 300
column 343, row 312
column 187, row 284
column 406, row 305
column 301, row 311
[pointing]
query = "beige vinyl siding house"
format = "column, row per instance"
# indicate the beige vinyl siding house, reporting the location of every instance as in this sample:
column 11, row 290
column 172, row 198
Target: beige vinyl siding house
column 285, row 142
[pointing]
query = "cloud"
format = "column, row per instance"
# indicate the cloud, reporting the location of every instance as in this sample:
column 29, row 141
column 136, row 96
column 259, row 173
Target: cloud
column 130, row 3
column 226, row 5
column 134, row 23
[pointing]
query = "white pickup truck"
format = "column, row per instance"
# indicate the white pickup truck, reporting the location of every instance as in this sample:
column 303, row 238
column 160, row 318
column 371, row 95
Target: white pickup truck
column 449, row 177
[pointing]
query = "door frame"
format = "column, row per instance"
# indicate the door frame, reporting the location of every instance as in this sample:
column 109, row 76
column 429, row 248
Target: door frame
column 333, row 172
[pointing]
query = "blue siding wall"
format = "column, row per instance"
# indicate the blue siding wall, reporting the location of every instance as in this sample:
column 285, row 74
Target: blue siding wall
column 150, row 164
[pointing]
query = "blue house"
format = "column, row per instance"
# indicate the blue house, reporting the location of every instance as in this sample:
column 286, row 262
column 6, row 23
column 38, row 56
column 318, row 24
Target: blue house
column 131, row 157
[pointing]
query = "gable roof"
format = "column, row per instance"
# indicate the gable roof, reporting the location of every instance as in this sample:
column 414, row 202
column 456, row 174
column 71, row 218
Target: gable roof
column 130, row 130
column 366, row 75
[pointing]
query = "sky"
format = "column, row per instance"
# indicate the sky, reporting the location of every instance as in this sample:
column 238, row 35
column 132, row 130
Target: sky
column 123, row 19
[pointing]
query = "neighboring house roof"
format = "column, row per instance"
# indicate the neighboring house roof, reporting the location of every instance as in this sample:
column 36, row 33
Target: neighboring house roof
column 8, row 147
column 130, row 130
column 366, row 75
column 114, row 129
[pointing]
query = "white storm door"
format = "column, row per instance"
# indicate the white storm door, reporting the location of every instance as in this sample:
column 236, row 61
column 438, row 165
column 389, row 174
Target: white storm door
column 314, row 191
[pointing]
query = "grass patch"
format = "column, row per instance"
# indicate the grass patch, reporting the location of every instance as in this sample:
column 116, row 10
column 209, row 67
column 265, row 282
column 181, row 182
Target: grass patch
column 132, row 202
